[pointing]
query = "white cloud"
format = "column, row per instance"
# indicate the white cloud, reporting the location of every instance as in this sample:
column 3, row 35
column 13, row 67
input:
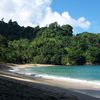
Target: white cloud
column 37, row 12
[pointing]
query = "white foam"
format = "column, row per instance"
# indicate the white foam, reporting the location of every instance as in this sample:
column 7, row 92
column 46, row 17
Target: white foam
column 14, row 70
column 90, row 83
column 18, row 71
column 94, row 84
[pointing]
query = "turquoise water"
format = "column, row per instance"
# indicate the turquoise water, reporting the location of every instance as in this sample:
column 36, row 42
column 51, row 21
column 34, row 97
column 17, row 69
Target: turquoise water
column 75, row 72
column 89, row 75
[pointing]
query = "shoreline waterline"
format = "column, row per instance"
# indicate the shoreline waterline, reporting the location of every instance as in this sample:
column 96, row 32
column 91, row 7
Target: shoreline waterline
column 13, row 65
column 82, row 86
column 26, row 65
column 46, row 88
column 76, row 85
column 58, row 78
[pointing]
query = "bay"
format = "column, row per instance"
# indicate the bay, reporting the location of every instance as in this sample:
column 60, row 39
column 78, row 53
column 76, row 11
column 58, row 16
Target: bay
column 75, row 72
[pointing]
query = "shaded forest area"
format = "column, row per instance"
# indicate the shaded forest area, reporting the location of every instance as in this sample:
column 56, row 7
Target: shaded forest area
column 53, row 44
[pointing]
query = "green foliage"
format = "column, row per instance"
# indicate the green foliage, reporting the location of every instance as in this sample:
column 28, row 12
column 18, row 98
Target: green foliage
column 54, row 44
column 67, row 30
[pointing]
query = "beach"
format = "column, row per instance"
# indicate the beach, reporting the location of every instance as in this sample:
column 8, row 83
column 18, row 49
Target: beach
column 47, row 88
column 26, row 65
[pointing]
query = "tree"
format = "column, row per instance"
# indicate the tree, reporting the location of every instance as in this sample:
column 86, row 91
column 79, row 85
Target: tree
column 67, row 30
column 53, row 25
column 54, row 44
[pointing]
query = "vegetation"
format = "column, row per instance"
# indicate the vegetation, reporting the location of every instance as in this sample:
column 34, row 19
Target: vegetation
column 54, row 44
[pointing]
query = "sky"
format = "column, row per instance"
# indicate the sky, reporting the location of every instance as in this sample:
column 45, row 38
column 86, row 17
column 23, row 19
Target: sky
column 83, row 15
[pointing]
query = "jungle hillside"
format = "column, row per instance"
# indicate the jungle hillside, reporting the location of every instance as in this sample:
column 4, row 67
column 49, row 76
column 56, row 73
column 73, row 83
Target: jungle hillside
column 52, row 44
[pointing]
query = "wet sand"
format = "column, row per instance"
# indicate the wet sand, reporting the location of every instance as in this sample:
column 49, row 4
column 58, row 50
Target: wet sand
column 14, row 84
column 42, row 89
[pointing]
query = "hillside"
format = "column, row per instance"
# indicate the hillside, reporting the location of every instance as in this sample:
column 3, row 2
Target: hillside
column 53, row 44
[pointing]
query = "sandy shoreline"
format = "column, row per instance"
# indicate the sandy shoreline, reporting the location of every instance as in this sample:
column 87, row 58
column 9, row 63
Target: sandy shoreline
column 69, row 83
column 75, row 87
column 47, row 85
column 26, row 65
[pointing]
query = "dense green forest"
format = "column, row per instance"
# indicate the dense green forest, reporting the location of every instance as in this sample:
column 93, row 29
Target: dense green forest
column 53, row 44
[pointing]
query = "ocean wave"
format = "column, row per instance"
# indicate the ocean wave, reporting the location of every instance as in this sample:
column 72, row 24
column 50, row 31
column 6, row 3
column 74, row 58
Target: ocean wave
column 19, row 71
column 92, row 83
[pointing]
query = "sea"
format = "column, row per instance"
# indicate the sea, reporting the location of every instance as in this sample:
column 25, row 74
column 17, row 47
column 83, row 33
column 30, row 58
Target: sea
column 82, row 74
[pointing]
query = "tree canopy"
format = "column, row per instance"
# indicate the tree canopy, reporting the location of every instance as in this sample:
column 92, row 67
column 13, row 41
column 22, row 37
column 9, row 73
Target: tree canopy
column 53, row 44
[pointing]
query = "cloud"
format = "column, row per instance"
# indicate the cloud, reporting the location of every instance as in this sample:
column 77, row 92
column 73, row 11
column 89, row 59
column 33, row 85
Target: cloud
column 64, row 18
column 37, row 12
